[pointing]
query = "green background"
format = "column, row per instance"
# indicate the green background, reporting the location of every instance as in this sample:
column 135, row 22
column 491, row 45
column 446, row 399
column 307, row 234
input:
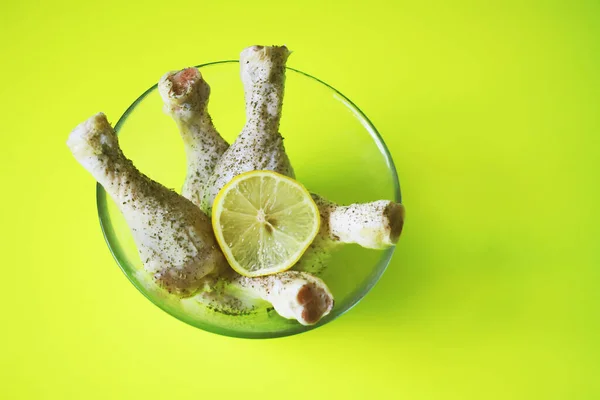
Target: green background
column 490, row 110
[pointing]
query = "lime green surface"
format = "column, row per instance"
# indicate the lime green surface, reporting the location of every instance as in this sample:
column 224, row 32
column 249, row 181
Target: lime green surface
column 491, row 114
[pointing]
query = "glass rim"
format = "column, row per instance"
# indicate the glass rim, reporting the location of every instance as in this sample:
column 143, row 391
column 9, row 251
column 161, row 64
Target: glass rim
column 384, row 260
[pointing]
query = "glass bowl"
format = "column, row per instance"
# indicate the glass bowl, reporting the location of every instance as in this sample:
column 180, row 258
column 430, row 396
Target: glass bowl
column 335, row 151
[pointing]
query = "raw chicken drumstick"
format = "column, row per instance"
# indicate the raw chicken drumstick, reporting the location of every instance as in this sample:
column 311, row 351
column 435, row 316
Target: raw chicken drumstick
column 294, row 295
column 185, row 95
column 260, row 145
column 374, row 225
column 174, row 237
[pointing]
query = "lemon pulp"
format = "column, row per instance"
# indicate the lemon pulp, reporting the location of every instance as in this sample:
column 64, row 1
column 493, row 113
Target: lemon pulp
column 263, row 222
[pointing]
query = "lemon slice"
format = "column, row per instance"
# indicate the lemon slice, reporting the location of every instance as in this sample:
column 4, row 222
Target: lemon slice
column 264, row 222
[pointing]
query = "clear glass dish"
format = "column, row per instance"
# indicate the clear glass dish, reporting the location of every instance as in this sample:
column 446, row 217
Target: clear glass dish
column 335, row 150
